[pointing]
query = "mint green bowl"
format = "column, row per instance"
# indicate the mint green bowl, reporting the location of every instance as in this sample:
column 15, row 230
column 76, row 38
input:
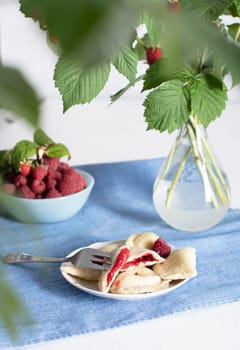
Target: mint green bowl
column 40, row 211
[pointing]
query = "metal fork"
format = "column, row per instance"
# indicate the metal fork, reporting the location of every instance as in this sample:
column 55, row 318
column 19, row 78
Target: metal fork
column 86, row 258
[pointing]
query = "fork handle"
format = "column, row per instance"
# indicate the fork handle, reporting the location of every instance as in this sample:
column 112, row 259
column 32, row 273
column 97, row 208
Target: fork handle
column 13, row 258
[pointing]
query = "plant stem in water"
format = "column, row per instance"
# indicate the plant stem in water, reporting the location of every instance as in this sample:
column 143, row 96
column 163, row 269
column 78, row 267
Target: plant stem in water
column 176, row 178
column 200, row 165
column 167, row 163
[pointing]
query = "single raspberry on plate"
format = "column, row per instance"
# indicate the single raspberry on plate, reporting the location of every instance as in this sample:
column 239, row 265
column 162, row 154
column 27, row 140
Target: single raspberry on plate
column 20, row 180
column 9, row 188
column 38, row 186
column 53, row 193
column 153, row 54
column 161, row 247
column 51, row 162
column 25, row 168
column 39, row 172
column 26, row 192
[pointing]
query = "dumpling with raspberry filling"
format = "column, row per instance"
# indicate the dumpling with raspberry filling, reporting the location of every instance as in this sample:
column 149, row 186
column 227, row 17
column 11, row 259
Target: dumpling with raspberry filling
column 120, row 256
column 138, row 280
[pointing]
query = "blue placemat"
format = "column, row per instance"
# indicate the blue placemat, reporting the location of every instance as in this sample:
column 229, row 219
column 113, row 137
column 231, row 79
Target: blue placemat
column 120, row 204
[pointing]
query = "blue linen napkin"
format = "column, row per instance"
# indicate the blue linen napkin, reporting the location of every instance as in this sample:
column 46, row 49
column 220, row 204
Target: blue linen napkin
column 120, row 204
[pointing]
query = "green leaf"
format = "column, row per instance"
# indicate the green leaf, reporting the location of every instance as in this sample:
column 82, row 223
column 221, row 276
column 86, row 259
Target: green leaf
column 41, row 138
column 234, row 8
column 13, row 312
column 167, row 107
column 126, row 63
column 210, row 10
column 17, row 96
column 233, row 31
column 208, row 97
column 58, row 150
column 94, row 30
column 77, row 85
column 23, row 150
column 164, row 70
column 5, row 157
column 156, row 74
column 154, row 28
column 142, row 45
column 216, row 68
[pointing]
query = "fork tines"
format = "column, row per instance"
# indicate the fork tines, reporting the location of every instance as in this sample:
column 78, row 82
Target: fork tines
column 101, row 259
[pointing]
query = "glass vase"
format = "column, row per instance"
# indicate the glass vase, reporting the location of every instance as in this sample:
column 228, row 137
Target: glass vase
column 191, row 191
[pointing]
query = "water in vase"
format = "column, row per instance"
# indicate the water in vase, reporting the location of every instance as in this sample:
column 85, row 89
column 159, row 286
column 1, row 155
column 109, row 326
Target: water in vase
column 193, row 213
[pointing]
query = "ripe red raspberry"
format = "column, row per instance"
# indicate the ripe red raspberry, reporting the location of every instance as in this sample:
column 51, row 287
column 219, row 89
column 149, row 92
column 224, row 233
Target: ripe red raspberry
column 56, row 175
column 25, row 168
column 50, row 183
column 38, row 186
column 20, row 180
column 51, row 162
column 26, row 192
column 53, row 193
column 9, row 188
column 162, row 247
column 67, row 185
column 80, row 181
column 153, row 54
column 174, row 6
column 39, row 172
column 63, row 166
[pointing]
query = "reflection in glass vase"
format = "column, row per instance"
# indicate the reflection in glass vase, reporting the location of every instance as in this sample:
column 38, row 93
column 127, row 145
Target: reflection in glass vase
column 191, row 192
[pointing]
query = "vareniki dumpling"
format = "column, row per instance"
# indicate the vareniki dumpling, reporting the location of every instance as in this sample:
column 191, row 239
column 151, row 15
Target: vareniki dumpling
column 180, row 264
column 137, row 266
column 126, row 258
column 141, row 257
column 106, row 278
column 137, row 281
column 142, row 240
column 76, row 271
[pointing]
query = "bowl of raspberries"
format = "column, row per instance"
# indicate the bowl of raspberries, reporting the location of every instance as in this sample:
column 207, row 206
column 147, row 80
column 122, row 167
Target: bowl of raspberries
column 37, row 186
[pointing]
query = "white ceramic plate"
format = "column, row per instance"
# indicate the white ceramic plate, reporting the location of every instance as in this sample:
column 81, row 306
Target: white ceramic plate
column 92, row 288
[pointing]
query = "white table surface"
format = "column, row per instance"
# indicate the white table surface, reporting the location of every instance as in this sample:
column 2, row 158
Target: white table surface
column 98, row 133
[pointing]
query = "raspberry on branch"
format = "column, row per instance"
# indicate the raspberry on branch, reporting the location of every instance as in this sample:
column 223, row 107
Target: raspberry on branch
column 153, row 54
column 173, row 6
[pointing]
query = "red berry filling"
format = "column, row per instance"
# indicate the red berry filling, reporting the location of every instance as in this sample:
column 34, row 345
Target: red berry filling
column 137, row 261
column 119, row 262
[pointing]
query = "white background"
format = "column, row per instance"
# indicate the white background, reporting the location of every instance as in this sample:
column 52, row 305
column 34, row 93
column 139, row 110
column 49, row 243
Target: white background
column 101, row 133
